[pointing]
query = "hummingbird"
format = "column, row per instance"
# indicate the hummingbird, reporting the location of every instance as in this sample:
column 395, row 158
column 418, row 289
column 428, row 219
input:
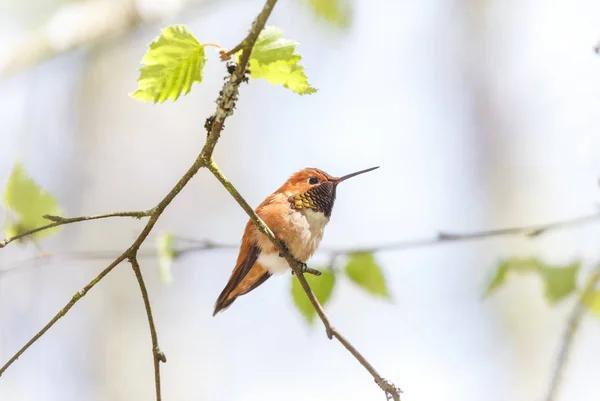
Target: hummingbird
column 297, row 214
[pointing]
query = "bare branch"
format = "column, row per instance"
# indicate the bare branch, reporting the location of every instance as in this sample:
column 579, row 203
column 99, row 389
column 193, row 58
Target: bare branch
column 61, row 221
column 388, row 387
column 443, row 237
column 157, row 354
column 569, row 336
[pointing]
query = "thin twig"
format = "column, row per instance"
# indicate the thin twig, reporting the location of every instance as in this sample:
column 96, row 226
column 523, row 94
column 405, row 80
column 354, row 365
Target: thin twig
column 442, row 237
column 391, row 391
column 60, row 221
column 157, row 354
column 569, row 335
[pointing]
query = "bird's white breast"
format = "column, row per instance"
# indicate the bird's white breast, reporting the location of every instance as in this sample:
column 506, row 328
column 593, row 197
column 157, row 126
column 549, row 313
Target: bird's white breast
column 316, row 220
column 302, row 239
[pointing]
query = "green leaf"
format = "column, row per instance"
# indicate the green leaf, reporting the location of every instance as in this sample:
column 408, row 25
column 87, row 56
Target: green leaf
column 29, row 202
column 559, row 281
column 174, row 62
column 335, row 12
column 365, row 273
column 322, row 286
column 166, row 256
column 275, row 59
column 593, row 302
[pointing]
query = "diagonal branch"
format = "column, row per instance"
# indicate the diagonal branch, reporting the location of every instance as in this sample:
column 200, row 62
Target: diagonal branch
column 388, row 387
column 61, row 221
column 569, row 336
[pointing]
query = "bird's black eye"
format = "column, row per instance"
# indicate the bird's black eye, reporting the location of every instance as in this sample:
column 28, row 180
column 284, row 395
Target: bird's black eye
column 313, row 180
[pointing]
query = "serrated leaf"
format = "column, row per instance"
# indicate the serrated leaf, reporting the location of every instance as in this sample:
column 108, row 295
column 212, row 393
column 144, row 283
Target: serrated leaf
column 593, row 302
column 335, row 12
column 322, row 286
column 364, row 272
column 559, row 281
column 274, row 58
column 166, row 256
column 289, row 75
column 174, row 62
column 271, row 46
column 29, row 202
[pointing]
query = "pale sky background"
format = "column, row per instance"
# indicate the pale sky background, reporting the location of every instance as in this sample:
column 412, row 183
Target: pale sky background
column 481, row 115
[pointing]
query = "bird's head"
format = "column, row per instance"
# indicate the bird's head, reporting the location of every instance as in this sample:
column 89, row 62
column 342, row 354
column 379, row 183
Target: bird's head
column 311, row 188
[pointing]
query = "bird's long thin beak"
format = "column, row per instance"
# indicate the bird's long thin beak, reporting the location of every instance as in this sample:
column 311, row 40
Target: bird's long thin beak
column 344, row 178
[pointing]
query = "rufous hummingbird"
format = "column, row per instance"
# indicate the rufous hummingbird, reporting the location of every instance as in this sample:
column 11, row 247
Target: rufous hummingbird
column 297, row 214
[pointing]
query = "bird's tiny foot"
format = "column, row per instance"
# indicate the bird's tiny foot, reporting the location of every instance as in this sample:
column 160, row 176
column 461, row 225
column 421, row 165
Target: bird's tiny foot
column 305, row 269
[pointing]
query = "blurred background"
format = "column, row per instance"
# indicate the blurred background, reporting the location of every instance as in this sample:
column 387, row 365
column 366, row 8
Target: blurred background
column 481, row 114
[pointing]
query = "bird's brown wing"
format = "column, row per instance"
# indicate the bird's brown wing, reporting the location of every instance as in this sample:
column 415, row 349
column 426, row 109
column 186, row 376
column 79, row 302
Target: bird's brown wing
column 246, row 276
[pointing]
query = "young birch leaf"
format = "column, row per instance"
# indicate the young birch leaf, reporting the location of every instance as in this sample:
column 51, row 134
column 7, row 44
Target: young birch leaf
column 322, row 286
column 364, row 272
column 29, row 202
column 174, row 62
column 593, row 302
column 166, row 255
column 559, row 281
column 335, row 12
column 274, row 59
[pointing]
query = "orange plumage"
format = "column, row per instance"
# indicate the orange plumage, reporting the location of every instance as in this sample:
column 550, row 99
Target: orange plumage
column 297, row 213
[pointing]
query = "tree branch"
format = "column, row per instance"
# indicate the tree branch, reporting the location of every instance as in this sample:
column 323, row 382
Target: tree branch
column 157, row 354
column 571, row 330
column 388, row 387
column 61, row 221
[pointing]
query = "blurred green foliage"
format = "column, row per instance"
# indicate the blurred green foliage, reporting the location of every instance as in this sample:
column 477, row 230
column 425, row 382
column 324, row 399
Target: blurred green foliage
column 335, row 12
column 364, row 272
column 28, row 203
column 322, row 287
column 559, row 281
column 166, row 256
